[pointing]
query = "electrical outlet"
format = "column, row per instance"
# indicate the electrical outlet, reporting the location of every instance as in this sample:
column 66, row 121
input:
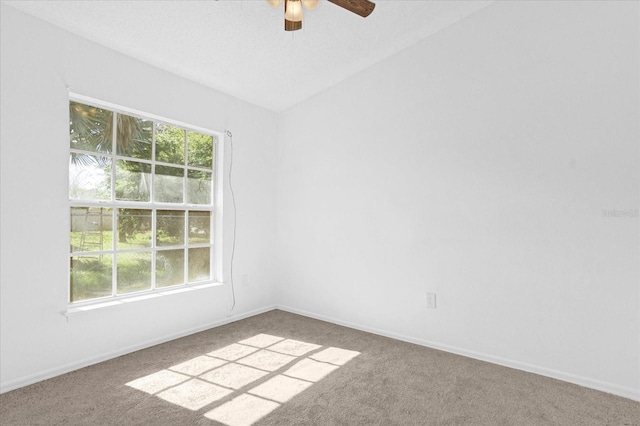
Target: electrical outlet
column 244, row 280
column 431, row 300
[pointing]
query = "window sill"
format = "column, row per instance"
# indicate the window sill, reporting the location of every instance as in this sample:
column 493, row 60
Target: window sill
column 102, row 304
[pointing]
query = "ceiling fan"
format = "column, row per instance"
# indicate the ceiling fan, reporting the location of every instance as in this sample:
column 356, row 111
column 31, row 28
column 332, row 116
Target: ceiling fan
column 293, row 9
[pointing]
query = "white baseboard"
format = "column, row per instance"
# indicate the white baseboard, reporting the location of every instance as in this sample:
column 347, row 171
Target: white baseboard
column 587, row 382
column 622, row 391
column 48, row 374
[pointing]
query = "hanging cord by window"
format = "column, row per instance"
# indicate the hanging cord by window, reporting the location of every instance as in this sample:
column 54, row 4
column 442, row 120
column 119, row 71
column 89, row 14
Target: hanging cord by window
column 235, row 219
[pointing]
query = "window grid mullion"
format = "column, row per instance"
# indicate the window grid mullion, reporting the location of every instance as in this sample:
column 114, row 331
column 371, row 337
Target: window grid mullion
column 186, row 264
column 139, row 160
column 152, row 247
column 128, row 250
column 143, row 205
column 185, row 200
column 213, row 235
column 152, row 190
column 186, row 246
column 115, row 205
column 185, row 174
column 154, row 209
column 212, row 249
column 114, row 211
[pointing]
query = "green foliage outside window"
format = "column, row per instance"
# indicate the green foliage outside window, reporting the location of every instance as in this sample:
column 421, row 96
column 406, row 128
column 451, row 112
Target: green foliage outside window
column 150, row 157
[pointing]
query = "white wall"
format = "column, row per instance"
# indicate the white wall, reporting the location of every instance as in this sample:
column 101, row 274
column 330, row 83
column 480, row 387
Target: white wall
column 476, row 165
column 38, row 63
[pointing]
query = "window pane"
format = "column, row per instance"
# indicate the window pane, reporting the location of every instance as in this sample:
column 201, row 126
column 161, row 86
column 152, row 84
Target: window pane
column 134, row 272
column 169, row 228
column 168, row 184
column 142, row 177
column 91, row 229
column 90, row 276
column 89, row 177
column 199, row 187
column 134, row 228
column 169, row 267
column 90, row 128
column 199, row 264
column 200, row 149
column 170, row 144
column 199, row 227
column 133, row 181
column 134, row 137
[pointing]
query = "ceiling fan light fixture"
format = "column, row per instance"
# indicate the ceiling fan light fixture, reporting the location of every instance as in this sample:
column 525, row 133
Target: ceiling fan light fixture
column 310, row 4
column 292, row 26
column 293, row 11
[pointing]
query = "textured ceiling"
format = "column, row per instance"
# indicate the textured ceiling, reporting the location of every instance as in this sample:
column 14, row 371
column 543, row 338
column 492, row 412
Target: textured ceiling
column 240, row 48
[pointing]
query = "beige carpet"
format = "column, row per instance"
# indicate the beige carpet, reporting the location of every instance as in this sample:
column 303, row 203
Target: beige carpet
column 283, row 369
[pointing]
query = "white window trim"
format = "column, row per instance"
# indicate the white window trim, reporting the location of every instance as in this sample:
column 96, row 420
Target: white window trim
column 217, row 212
column 111, row 301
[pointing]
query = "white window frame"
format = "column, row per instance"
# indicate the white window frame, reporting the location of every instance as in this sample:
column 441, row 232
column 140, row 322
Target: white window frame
column 216, row 210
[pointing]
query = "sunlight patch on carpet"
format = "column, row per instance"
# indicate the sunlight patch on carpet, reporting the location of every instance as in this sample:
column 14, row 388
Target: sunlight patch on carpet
column 266, row 360
column 293, row 347
column 280, row 388
column 194, row 394
column 248, row 379
column 310, row 370
column 158, row 381
column 244, row 410
column 234, row 376
column 261, row 340
column 233, row 352
column 198, row 365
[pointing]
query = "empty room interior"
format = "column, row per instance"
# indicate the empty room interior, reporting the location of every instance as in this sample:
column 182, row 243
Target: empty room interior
column 236, row 213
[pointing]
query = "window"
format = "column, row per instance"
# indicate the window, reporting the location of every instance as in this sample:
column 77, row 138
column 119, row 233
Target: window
column 142, row 195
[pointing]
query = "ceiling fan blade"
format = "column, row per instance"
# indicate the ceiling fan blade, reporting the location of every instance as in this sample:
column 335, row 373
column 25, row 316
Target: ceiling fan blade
column 359, row 7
